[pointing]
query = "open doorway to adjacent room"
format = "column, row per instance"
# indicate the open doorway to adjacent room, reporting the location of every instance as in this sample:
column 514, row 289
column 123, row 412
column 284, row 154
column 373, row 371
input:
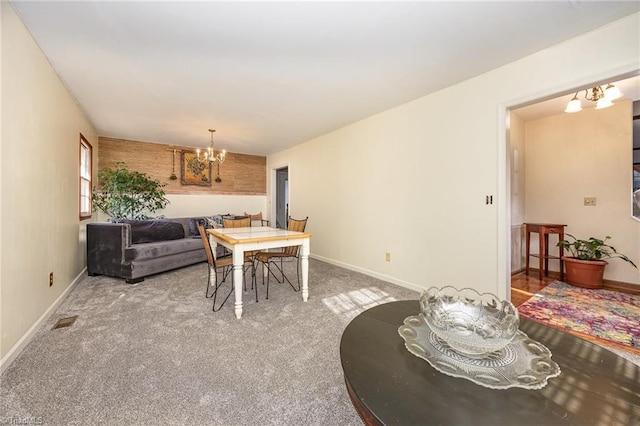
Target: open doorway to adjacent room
column 551, row 158
column 281, row 193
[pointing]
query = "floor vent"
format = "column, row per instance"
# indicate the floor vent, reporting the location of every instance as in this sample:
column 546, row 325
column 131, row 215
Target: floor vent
column 65, row 322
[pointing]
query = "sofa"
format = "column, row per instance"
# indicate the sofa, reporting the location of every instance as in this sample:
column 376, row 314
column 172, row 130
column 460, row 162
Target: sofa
column 134, row 249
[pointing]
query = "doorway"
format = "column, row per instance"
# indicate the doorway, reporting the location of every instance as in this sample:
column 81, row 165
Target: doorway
column 517, row 161
column 282, row 197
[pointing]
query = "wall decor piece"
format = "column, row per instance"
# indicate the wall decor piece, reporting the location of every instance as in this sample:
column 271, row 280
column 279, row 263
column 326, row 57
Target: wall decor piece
column 173, row 166
column 193, row 171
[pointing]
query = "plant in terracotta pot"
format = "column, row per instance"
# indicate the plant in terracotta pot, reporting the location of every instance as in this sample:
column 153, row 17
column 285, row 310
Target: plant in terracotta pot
column 585, row 266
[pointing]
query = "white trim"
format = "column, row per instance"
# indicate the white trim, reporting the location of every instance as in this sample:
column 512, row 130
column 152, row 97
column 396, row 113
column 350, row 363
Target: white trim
column 28, row 336
column 383, row 277
column 503, row 212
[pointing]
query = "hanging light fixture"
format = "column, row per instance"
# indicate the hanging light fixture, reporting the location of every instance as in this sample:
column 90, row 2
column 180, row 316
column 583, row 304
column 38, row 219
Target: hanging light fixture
column 210, row 154
column 602, row 97
column 612, row 92
column 574, row 104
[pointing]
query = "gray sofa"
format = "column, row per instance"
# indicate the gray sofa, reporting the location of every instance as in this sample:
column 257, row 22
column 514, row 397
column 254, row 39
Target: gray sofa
column 135, row 249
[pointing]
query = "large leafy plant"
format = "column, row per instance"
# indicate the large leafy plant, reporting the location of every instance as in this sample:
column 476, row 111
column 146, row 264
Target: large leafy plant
column 127, row 194
column 592, row 249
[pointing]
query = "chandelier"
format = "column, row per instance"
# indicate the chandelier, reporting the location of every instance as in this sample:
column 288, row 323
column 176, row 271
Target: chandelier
column 210, row 154
column 602, row 97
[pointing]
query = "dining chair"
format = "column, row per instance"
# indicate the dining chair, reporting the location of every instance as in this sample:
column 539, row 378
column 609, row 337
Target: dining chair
column 237, row 222
column 244, row 222
column 257, row 219
column 269, row 258
column 226, row 265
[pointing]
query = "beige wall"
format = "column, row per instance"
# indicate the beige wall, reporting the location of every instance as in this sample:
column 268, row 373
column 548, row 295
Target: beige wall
column 412, row 180
column 206, row 205
column 586, row 154
column 41, row 232
column 181, row 205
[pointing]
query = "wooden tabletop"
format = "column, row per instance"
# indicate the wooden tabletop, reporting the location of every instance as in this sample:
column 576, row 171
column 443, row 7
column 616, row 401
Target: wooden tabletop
column 389, row 385
column 255, row 234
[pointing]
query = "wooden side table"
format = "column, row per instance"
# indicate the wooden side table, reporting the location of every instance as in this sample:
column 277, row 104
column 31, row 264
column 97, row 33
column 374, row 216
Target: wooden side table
column 543, row 230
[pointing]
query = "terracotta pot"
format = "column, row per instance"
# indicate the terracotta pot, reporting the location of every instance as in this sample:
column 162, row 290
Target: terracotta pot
column 584, row 273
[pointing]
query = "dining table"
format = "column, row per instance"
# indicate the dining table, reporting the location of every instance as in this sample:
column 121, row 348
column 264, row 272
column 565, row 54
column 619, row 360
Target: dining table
column 261, row 238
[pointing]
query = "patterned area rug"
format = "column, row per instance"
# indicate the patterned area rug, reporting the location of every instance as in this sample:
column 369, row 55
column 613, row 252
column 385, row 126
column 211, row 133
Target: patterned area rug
column 602, row 314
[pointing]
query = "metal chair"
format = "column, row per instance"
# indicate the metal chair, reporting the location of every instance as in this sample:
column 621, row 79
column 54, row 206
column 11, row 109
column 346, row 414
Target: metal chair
column 226, row 263
column 268, row 258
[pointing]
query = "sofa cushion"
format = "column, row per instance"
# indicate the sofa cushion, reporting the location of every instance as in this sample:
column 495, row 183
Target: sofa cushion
column 149, row 231
column 184, row 221
column 162, row 248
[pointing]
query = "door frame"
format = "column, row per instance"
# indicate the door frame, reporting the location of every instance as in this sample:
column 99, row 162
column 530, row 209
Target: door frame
column 504, row 160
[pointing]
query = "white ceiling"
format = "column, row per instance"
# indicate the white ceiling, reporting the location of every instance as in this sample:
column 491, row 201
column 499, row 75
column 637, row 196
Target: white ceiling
column 269, row 75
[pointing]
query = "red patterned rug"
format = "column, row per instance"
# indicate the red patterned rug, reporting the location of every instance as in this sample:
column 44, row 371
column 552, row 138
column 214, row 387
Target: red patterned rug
column 605, row 315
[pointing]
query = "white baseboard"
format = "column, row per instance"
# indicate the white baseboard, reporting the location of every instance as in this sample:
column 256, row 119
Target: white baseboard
column 383, row 277
column 26, row 338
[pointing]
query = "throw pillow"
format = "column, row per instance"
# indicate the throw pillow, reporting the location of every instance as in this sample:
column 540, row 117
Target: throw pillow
column 214, row 221
column 193, row 225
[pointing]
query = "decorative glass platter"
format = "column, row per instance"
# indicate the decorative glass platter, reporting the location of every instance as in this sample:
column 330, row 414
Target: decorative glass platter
column 523, row 363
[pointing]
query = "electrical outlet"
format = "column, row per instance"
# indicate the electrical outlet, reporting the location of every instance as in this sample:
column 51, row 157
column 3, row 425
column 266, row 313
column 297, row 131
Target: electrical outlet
column 387, row 256
column 590, row 201
column 50, row 279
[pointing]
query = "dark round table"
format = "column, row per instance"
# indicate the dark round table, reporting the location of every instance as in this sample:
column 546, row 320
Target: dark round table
column 390, row 386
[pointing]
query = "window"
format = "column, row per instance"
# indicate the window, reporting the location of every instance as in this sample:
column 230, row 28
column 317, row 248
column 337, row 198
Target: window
column 86, row 168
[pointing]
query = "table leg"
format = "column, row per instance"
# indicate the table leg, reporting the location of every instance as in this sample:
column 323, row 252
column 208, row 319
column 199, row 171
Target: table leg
column 541, row 252
column 527, row 251
column 304, row 263
column 214, row 247
column 546, row 254
column 238, row 270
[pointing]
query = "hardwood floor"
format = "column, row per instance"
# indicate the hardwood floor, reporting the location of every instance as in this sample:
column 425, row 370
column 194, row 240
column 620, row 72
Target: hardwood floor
column 524, row 286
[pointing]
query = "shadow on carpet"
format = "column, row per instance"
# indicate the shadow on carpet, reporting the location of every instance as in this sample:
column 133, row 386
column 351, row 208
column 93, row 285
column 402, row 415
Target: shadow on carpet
column 608, row 316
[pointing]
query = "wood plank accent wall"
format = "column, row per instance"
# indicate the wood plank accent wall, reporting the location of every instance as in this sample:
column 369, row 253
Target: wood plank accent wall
column 240, row 173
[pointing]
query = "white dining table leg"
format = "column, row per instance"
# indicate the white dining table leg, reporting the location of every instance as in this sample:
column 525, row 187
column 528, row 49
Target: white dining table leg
column 304, row 263
column 238, row 266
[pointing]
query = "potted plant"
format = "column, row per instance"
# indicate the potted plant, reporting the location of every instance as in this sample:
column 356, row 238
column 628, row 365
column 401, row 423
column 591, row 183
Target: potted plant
column 128, row 194
column 585, row 266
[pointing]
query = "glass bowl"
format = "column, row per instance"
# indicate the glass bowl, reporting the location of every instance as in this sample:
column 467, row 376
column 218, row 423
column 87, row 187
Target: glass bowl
column 471, row 323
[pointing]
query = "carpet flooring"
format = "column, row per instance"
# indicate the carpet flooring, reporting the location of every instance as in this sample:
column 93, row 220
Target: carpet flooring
column 608, row 315
column 154, row 353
